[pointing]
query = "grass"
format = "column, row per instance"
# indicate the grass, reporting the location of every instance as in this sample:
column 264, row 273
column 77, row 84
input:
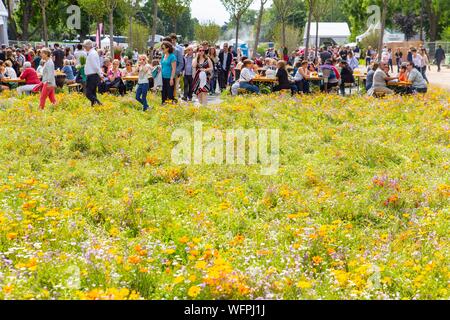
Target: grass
column 92, row 207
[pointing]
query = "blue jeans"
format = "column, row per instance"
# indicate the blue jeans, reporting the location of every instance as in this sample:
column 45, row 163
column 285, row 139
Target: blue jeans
column 141, row 94
column 249, row 87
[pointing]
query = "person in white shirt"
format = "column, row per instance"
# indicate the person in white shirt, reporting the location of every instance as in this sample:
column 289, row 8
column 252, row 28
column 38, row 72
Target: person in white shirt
column 352, row 61
column 9, row 70
column 247, row 75
column 417, row 60
column 79, row 52
column 93, row 72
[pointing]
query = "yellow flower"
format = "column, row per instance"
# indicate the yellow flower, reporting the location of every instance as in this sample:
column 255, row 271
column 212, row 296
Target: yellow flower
column 194, row 291
column 11, row 235
column 178, row 279
column 200, row 265
column 317, row 260
column 304, row 284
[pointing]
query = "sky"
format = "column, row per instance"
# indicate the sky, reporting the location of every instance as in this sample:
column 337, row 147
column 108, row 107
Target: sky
column 205, row 10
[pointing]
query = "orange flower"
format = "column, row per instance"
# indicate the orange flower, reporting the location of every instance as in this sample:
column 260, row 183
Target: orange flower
column 317, row 260
column 134, row 259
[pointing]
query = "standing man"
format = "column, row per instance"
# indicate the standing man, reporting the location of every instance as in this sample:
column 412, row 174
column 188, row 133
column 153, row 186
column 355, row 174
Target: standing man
column 93, row 72
column 225, row 59
column 439, row 56
column 179, row 54
column 188, row 72
column 58, row 57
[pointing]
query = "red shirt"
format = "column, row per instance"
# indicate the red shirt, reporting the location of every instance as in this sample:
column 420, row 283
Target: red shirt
column 30, row 75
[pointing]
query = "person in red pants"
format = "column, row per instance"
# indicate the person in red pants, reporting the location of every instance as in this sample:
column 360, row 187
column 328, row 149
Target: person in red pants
column 48, row 79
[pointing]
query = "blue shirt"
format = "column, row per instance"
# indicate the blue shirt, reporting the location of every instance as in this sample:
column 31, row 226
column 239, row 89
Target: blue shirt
column 179, row 53
column 69, row 72
column 166, row 65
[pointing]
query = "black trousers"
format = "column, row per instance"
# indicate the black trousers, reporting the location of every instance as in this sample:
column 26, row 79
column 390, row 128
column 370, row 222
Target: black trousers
column 188, row 82
column 223, row 79
column 167, row 90
column 438, row 61
column 92, row 82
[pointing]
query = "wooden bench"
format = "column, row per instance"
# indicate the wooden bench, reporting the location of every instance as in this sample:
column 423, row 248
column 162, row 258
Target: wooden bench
column 75, row 87
column 379, row 94
column 242, row 91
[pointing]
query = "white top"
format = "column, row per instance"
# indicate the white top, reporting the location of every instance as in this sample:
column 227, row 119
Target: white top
column 93, row 63
column 418, row 61
column 144, row 74
column 247, row 75
column 11, row 72
column 79, row 53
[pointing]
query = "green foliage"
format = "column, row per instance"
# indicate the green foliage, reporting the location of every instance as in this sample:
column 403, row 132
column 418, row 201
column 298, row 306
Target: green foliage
column 371, row 40
column 208, row 31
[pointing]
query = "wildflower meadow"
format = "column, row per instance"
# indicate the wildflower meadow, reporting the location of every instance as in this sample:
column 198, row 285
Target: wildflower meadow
column 93, row 207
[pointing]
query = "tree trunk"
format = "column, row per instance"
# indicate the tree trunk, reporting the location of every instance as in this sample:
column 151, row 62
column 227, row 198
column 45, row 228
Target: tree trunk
column 308, row 30
column 421, row 21
column 258, row 29
column 317, row 36
column 174, row 21
column 154, row 22
column 283, row 33
column 26, row 20
column 12, row 27
column 433, row 18
column 383, row 23
column 238, row 20
column 44, row 22
column 130, row 33
column 111, row 33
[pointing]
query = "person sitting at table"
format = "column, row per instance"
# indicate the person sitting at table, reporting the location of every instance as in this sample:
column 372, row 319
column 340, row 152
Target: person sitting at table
column 379, row 81
column 238, row 68
column 129, row 72
column 369, row 80
column 334, row 75
column 67, row 69
column 31, row 79
column 247, row 75
column 300, row 77
column 403, row 74
column 9, row 70
column 346, row 76
column 2, row 75
column 283, row 79
column 352, row 61
column 115, row 78
column 418, row 83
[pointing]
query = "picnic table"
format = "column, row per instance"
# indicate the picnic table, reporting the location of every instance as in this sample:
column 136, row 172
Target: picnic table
column 17, row 80
column 399, row 83
column 131, row 78
column 361, row 77
column 265, row 80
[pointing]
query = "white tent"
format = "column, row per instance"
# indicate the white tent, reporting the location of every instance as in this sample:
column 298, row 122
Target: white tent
column 337, row 31
column 105, row 43
column 3, row 24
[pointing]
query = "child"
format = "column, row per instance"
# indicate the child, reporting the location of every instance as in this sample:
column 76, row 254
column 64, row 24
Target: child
column 48, row 79
column 403, row 75
column 143, row 83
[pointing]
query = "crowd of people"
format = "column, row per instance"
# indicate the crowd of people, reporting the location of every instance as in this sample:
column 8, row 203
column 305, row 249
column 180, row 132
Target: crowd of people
column 185, row 71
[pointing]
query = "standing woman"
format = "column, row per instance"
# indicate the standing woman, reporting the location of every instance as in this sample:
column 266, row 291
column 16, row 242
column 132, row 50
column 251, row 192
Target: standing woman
column 398, row 58
column 426, row 63
column 143, row 83
column 214, row 74
column 48, row 79
column 203, row 66
column 168, row 70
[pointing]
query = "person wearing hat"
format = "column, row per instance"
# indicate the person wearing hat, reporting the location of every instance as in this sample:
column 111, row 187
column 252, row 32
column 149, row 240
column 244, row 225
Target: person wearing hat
column 93, row 72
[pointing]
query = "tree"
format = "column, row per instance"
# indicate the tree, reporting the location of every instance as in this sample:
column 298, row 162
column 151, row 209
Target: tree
column 406, row 23
column 258, row 26
column 283, row 7
column 208, row 31
column 154, row 22
column 43, row 4
column 236, row 8
column 174, row 9
column 382, row 26
column 308, row 27
column 319, row 9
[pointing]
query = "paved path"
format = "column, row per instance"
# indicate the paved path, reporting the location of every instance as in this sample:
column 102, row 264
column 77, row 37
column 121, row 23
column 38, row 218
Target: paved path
column 440, row 79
